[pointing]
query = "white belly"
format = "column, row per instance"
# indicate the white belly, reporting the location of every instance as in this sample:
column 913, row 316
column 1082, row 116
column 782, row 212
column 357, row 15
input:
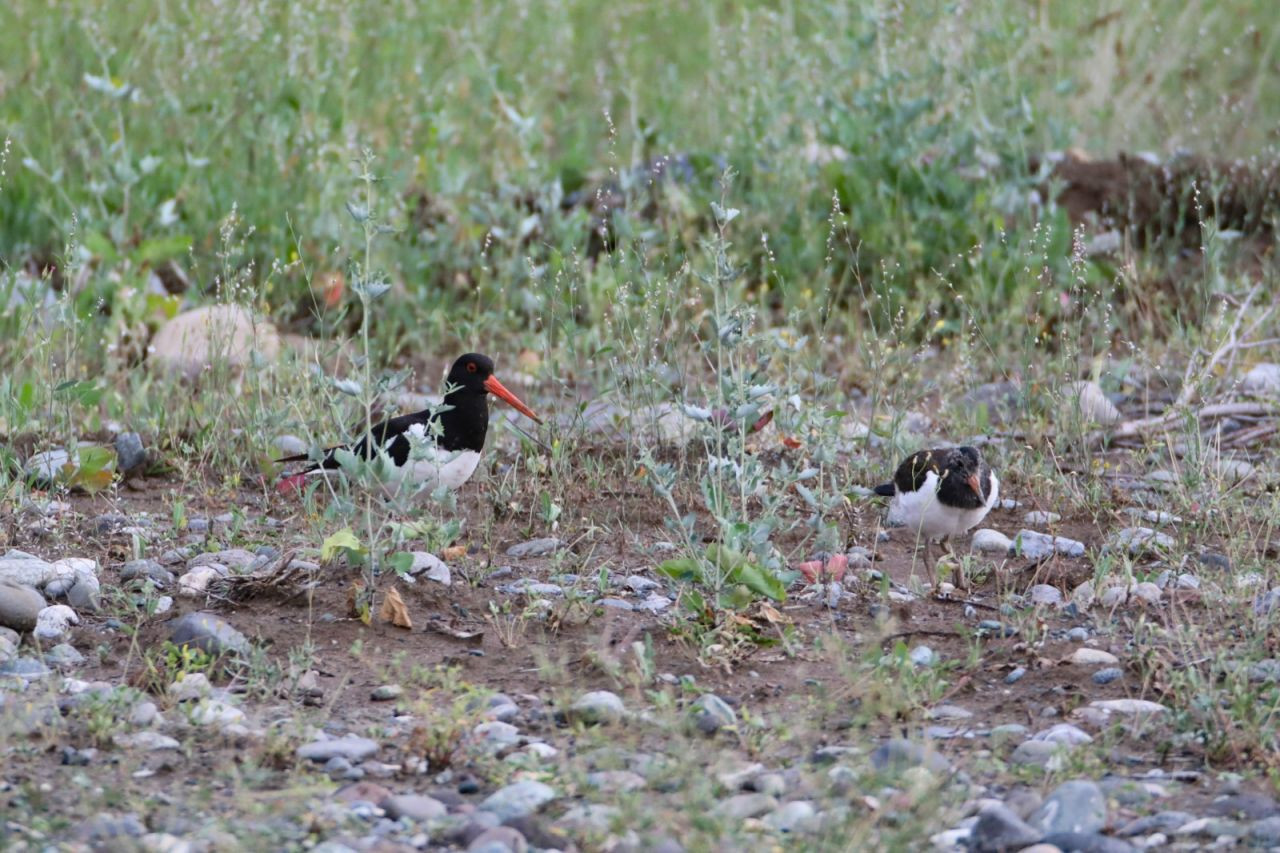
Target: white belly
column 422, row 476
column 437, row 468
column 924, row 517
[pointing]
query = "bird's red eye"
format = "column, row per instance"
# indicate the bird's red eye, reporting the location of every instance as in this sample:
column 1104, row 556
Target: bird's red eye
column 471, row 367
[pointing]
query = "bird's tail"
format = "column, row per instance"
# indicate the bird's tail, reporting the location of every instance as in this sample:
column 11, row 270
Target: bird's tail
column 884, row 490
column 297, row 457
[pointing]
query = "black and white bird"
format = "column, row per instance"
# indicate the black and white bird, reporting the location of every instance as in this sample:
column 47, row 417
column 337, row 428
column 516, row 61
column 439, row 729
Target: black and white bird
column 941, row 493
column 422, row 458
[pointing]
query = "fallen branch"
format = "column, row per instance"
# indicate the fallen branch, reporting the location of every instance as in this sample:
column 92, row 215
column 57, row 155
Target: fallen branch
column 1147, row 426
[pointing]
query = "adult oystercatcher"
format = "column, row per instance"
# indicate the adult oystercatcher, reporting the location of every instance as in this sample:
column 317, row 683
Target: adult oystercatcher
column 423, row 458
column 941, row 493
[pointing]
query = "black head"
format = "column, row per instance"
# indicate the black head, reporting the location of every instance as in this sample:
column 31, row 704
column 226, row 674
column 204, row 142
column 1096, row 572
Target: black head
column 470, row 372
column 967, row 460
column 472, row 377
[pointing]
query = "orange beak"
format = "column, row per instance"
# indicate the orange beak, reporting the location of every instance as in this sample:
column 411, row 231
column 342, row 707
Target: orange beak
column 975, row 485
column 493, row 386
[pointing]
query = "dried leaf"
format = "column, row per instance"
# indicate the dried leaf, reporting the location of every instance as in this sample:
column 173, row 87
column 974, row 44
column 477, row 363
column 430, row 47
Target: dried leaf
column 771, row 614
column 453, row 553
column 393, row 610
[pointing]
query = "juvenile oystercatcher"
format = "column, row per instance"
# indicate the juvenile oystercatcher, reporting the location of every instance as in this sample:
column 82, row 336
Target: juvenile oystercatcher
column 941, row 493
column 424, row 458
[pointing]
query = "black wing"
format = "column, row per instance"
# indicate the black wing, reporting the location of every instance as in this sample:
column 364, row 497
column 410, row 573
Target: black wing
column 390, row 435
column 911, row 474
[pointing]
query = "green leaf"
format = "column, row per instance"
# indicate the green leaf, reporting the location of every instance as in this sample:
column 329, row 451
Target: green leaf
column 343, row 540
column 85, row 392
column 100, row 246
column 685, row 569
column 160, row 249
column 401, row 561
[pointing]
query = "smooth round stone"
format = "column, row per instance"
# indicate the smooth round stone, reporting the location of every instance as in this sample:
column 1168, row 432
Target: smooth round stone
column 499, row 839
column 711, row 714
column 616, row 604
column 212, row 634
column 1044, row 594
column 999, row 828
column 988, row 541
column 770, row 783
column 386, row 692
column 1064, row 733
column 744, row 806
column 1007, row 732
column 598, row 707
column 1108, row 675
column 25, row 668
column 1015, row 675
column 289, row 445
column 20, row 606
column 497, row 735
column 923, row 656
column 416, row 807
column 1077, row 806
column 1041, row 517
column 536, row 547
column 1086, row 656
column 899, row 754
column 350, row 747
column 130, row 454
column 789, row 816
column 63, row 656
column 146, row 570
column 1036, row 753
column 53, row 624
column 1078, row 635
column 519, row 799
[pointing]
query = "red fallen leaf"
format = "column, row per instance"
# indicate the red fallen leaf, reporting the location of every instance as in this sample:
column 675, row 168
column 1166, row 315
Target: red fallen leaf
column 292, row 483
column 332, row 288
column 762, row 422
column 815, row 570
column 793, row 443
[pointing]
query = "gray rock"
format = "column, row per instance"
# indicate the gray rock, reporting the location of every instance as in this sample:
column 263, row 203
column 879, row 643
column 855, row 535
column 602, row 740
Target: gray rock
column 1266, row 603
column 1262, row 380
column 1167, row 821
column 98, row 831
column 1108, row 675
column 711, row 714
column 53, row 624
column 146, row 570
column 289, row 445
column 350, row 747
column 1264, row 671
column 615, row 781
column 63, row 656
column 85, row 594
column 899, row 754
column 536, row 547
column 1015, row 675
column 130, row 454
column 416, row 807
column 1037, row 753
column 1044, row 594
column 999, row 830
column 208, row 632
column 48, row 467
column 988, row 541
column 1246, row 806
column 616, row 604
column 1214, row 560
column 598, row 707
column 769, row 783
column 1085, row 403
column 519, row 799
column 923, row 656
column 23, row 569
column 146, row 741
column 1077, row 806
column 495, row 734
column 235, row 559
column 24, row 668
column 20, row 606
column 532, row 588
column 1140, row 540
column 431, row 567
column 386, row 692
column 1037, row 546
column 654, row 603
column 1266, row 831
column 1064, row 733
column 499, row 839
column 1040, row 518
column 143, row 714
column 8, row 649
column 640, row 585
column 743, row 806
